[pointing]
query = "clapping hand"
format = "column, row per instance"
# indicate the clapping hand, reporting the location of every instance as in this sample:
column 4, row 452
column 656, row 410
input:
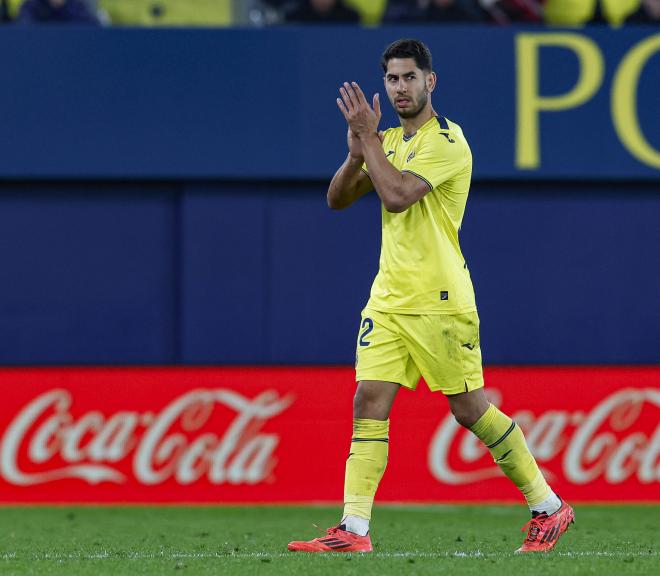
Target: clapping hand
column 361, row 117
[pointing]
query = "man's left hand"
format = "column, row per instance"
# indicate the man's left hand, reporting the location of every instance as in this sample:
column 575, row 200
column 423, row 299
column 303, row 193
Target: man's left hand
column 362, row 119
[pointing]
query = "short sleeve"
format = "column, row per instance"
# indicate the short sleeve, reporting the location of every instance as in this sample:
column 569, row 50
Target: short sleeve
column 438, row 159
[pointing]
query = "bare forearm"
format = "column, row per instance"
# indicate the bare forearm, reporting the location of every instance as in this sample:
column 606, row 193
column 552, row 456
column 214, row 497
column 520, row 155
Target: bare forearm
column 344, row 189
column 387, row 180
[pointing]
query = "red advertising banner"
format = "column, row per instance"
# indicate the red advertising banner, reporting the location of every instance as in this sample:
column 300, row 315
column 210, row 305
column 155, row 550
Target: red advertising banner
column 282, row 435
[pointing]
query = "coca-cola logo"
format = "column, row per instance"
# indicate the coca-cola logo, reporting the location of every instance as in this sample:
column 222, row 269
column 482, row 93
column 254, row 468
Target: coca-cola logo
column 176, row 443
column 603, row 442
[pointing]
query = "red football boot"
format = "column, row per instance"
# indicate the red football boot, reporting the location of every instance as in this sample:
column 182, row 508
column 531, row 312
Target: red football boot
column 336, row 539
column 544, row 531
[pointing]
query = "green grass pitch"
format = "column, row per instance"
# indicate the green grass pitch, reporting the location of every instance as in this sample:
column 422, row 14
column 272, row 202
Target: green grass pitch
column 408, row 540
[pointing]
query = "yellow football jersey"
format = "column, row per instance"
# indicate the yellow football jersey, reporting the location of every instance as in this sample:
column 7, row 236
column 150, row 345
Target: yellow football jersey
column 422, row 269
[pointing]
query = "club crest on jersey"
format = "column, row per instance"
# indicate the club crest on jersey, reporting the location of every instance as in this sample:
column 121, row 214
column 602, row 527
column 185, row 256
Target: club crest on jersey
column 410, row 156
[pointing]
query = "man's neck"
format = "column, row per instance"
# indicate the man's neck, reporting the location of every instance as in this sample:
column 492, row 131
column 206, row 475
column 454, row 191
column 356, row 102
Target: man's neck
column 411, row 125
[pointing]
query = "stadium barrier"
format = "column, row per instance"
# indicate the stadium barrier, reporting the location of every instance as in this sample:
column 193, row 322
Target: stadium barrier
column 219, row 435
column 265, row 275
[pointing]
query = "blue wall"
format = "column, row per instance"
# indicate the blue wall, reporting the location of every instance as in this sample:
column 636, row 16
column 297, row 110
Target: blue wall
column 162, row 196
column 256, row 273
column 261, row 103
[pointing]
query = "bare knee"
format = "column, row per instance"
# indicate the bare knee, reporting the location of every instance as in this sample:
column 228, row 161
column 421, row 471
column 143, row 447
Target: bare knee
column 468, row 407
column 367, row 403
column 465, row 416
column 374, row 400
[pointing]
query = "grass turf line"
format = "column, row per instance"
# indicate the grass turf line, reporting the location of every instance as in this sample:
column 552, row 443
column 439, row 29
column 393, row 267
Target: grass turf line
column 460, row 540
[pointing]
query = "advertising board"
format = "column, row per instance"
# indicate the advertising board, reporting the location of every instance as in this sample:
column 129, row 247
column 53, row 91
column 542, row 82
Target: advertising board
column 218, row 435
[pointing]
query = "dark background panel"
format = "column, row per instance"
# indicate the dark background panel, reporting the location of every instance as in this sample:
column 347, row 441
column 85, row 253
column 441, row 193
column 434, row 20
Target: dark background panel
column 87, row 274
column 568, row 275
column 323, row 264
column 225, row 280
column 256, row 274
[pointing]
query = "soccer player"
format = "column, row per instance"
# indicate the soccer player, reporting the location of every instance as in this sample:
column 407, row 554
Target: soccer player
column 421, row 318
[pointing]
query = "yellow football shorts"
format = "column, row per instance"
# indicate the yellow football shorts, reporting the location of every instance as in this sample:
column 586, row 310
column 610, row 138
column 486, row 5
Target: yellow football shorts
column 400, row 348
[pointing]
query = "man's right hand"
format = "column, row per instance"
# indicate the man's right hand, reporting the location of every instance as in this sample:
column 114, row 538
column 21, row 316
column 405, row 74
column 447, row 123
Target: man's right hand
column 355, row 146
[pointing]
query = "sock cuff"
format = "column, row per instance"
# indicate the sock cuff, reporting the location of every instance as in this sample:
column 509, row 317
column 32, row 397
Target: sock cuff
column 359, row 506
column 366, row 428
column 493, row 427
column 536, row 491
column 485, row 422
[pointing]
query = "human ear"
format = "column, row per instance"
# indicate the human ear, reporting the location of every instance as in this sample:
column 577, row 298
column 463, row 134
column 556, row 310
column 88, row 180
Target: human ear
column 430, row 81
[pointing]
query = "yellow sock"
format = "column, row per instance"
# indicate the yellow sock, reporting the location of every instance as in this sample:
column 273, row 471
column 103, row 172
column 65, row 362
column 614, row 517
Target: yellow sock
column 365, row 465
column 506, row 442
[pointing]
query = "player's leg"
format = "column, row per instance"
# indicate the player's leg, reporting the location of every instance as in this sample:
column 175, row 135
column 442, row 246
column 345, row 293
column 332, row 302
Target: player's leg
column 383, row 365
column 506, row 443
column 447, row 350
column 367, row 458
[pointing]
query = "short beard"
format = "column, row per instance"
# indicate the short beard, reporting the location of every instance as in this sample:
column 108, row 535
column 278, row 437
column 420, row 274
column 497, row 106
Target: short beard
column 423, row 99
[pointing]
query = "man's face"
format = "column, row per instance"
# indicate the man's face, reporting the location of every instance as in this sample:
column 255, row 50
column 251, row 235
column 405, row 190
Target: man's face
column 407, row 86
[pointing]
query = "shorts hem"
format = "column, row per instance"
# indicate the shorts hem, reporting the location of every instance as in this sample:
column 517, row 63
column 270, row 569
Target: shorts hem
column 460, row 389
column 381, row 378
